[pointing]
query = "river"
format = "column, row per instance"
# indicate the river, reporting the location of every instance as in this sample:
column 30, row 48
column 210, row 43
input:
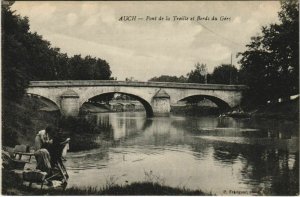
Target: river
column 223, row 156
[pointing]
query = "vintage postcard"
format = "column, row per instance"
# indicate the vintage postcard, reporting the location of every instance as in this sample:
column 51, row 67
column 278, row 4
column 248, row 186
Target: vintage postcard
column 150, row 98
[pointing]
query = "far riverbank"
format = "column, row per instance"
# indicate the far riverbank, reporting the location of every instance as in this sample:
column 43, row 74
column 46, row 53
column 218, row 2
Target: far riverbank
column 288, row 110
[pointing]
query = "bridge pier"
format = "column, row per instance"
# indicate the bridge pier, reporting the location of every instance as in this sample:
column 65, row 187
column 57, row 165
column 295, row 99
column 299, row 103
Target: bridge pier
column 69, row 103
column 161, row 104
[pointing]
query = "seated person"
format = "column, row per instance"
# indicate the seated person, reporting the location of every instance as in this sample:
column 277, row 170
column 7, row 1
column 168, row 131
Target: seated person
column 52, row 146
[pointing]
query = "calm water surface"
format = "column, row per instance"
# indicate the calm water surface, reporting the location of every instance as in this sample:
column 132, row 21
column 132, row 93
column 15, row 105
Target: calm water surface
column 218, row 155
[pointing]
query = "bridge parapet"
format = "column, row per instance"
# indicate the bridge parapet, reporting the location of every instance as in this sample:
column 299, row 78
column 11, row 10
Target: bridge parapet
column 81, row 83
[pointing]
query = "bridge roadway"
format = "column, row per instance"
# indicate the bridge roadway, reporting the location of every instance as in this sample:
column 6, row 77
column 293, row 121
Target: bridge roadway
column 157, row 97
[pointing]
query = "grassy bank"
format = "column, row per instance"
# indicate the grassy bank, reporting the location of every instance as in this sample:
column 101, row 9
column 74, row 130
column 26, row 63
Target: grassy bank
column 21, row 121
column 12, row 184
column 136, row 188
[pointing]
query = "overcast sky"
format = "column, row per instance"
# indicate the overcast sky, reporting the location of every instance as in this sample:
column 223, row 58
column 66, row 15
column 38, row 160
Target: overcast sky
column 143, row 49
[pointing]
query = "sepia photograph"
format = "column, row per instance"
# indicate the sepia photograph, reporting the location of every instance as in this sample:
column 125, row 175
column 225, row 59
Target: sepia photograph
column 150, row 98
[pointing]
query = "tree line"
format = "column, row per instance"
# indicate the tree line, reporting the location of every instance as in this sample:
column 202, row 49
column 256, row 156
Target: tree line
column 27, row 56
column 269, row 65
column 223, row 74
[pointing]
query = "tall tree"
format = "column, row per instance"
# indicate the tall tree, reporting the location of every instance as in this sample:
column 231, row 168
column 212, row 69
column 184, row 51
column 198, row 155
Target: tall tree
column 62, row 69
column 270, row 65
column 14, row 54
column 198, row 75
column 103, row 71
column 88, row 68
column 225, row 74
column 41, row 61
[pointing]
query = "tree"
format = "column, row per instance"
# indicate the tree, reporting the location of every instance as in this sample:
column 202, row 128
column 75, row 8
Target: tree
column 224, row 74
column 103, row 71
column 199, row 75
column 270, row 65
column 27, row 56
column 41, row 57
column 129, row 79
column 167, row 78
column 62, row 69
column 88, row 68
column 14, row 56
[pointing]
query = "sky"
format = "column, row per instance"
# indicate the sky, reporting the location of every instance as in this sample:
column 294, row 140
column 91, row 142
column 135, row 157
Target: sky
column 143, row 48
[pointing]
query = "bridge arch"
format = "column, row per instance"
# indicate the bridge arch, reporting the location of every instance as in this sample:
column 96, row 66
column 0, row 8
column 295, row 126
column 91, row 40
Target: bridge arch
column 44, row 98
column 146, row 104
column 223, row 105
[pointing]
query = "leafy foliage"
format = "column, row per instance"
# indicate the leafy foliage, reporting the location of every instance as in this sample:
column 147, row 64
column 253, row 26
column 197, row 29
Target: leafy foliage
column 199, row 75
column 270, row 65
column 27, row 56
column 87, row 68
column 14, row 57
column 77, row 125
column 224, row 74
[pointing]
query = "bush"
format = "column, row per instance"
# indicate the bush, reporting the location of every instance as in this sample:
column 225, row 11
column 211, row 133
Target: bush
column 78, row 125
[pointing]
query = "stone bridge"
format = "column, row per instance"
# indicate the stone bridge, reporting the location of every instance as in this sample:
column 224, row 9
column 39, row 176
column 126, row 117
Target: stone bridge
column 156, row 97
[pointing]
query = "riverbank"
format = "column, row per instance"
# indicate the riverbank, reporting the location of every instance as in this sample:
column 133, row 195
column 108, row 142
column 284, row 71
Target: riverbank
column 288, row 110
column 136, row 188
column 193, row 110
column 21, row 121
